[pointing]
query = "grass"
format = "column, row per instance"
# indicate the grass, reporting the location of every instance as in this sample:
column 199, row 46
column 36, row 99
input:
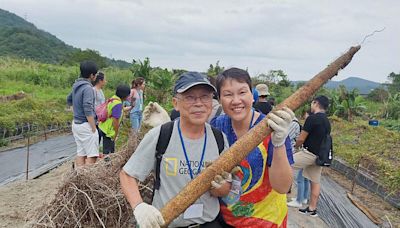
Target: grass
column 378, row 146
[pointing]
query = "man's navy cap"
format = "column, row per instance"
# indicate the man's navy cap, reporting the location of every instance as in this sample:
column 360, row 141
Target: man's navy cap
column 189, row 79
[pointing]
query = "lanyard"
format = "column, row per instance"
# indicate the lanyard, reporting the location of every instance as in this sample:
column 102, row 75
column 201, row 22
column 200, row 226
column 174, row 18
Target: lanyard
column 251, row 121
column 184, row 150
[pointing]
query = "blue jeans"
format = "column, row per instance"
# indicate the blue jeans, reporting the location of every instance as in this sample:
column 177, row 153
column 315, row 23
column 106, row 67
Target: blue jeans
column 303, row 187
column 136, row 120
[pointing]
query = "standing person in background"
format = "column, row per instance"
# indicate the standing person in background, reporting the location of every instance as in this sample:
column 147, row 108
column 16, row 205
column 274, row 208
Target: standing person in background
column 99, row 97
column 136, row 103
column 84, row 126
column 98, row 85
column 315, row 129
column 217, row 109
column 303, row 184
column 109, row 128
column 262, row 104
column 255, row 95
column 258, row 193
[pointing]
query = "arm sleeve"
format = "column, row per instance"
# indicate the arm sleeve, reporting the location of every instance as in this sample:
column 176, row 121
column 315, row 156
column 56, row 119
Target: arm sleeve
column 69, row 99
column 142, row 161
column 117, row 111
column 289, row 152
column 88, row 101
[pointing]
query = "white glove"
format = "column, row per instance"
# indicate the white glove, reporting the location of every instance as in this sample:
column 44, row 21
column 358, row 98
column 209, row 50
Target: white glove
column 280, row 122
column 148, row 216
column 220, row 180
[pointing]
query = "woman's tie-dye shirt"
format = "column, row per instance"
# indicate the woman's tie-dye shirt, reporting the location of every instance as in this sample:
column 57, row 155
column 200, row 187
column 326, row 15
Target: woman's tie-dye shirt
column 252, row 202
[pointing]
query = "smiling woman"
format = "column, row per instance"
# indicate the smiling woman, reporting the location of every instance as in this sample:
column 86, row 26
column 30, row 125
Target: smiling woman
column 257, row 197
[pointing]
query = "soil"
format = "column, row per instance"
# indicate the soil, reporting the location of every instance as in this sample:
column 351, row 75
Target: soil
column 19, row 199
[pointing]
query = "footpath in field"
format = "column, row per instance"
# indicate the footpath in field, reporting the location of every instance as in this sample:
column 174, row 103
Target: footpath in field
column 43, row 156
column 334, row 210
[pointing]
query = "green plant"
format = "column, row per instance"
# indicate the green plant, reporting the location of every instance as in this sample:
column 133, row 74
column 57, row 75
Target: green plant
column 141, row 69
column 161, row 82
column 214, row 71
column 347, row 103
column 392, row 106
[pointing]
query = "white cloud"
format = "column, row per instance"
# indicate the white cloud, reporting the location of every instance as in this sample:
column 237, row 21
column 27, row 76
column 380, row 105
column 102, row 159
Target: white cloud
column 299, row 37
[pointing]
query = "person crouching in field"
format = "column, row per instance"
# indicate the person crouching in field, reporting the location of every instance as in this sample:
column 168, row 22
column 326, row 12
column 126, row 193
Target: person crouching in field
column 192, row 142
column 82, row 99
column 109, row 128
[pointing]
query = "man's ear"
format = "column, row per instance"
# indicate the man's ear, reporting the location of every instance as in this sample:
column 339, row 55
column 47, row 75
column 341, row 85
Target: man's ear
column 175, row 103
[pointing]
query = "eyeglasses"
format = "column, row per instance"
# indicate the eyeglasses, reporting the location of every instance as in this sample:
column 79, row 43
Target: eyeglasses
column 192, row 99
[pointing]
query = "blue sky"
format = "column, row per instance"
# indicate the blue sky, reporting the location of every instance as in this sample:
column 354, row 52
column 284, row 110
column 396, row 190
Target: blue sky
column 299, row 37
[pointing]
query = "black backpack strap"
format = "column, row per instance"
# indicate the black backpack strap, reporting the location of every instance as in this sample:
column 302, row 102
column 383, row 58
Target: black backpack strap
column 219, row 138
column 162, row 144
column 219, row 111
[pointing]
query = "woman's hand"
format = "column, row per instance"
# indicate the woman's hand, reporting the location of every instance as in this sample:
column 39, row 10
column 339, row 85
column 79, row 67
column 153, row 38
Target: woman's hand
column 280, row 122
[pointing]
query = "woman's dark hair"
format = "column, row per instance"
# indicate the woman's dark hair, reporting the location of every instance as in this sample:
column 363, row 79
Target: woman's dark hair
column 123, row 91
column 137, row 82
column 235, row 74
column 87, row 68
column 99, row 77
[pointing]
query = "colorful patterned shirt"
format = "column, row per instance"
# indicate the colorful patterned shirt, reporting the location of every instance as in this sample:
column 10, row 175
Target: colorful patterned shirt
column 252, row 202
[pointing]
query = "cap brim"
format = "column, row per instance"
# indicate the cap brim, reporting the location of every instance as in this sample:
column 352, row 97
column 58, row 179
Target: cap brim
column 195, row 84
column 263, row 94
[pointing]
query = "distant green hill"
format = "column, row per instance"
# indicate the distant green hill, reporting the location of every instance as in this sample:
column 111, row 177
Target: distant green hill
column 20, row 38
column 364, row 86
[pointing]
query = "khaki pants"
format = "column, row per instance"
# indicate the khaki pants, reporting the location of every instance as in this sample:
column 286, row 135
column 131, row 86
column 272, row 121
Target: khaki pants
column 305, row 160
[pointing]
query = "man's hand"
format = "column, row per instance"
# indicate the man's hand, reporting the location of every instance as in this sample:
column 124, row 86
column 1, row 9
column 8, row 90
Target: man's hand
column 148, row 216
column 280, row 122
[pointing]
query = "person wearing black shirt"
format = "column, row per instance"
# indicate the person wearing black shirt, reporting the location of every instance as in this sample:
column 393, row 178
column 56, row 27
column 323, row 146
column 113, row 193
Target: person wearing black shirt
column 315, row 128
column 262, row 104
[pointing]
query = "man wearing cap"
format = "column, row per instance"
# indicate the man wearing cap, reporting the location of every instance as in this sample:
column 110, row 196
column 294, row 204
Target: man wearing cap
column 262, row 104
column 191, row 144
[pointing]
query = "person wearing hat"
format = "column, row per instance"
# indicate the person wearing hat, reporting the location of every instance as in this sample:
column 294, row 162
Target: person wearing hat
column 262, row 104
column 192, row 143
column 109, row 128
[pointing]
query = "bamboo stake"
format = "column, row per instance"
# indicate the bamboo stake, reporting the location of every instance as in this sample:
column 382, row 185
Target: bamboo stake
column 364, row 209
column 238, row 151
column 27, row 158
